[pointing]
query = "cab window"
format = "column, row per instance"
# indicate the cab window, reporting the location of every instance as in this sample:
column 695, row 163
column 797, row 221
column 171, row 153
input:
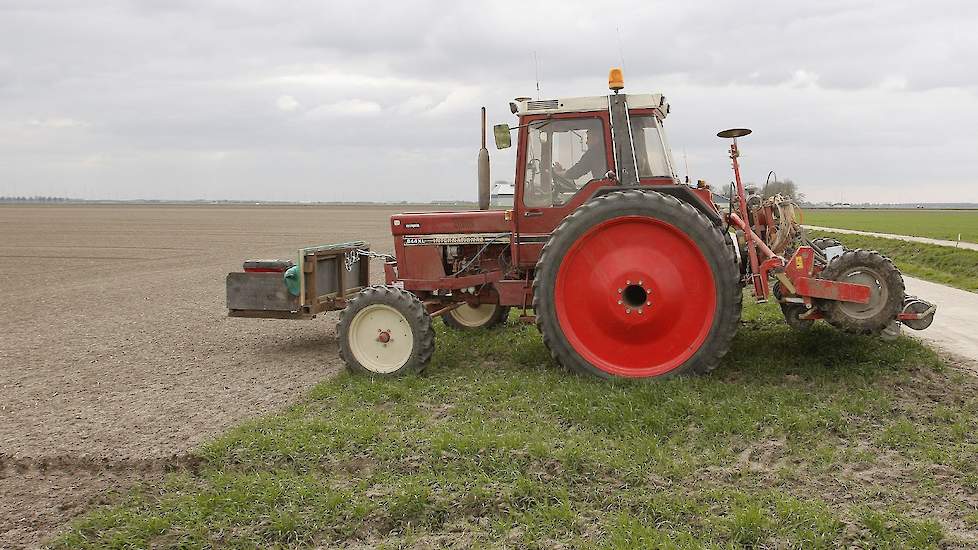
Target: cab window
column 562, row 157
column 651, row 152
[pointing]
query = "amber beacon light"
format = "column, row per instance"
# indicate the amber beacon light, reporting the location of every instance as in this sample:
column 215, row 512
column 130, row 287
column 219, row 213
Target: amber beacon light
column 616, row 81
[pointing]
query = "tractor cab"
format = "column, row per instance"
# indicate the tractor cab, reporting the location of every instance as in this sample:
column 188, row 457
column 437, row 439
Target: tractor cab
column 572, row 149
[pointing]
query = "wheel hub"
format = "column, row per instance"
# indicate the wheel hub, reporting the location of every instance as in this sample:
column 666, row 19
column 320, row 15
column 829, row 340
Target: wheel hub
column 634, row 296
column 878, row 293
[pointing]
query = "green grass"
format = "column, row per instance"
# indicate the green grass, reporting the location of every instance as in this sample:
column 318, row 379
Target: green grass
column 936, row 224
column 799, row 440
column 955, row 267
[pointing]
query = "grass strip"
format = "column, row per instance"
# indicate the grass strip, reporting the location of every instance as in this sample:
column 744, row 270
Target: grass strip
column 955, row 267
column 936, row 224
column 805, row 440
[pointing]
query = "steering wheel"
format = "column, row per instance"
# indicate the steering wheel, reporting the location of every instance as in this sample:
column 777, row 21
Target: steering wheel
column 564, row 184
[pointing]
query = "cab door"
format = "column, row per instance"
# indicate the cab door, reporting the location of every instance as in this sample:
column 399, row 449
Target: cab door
column 562, row 160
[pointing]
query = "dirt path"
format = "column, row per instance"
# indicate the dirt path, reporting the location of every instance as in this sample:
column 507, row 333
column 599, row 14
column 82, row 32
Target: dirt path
column 117, row 357
column 925, row 240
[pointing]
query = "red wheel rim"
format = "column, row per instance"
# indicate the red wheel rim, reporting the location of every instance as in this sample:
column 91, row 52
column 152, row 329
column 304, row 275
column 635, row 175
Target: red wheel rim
column 597, row 296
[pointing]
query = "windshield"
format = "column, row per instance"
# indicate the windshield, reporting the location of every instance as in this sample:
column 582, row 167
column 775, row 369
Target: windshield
column 651, row 150
column 562, row 157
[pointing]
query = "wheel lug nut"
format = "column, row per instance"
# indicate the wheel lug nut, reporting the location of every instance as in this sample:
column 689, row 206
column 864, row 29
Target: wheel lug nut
column 619, row 302
column 628, row 310
column 619, row 291
column 639, row 311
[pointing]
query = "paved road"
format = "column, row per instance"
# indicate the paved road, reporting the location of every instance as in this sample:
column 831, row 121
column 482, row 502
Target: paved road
column 925, row 240
column 955, row 327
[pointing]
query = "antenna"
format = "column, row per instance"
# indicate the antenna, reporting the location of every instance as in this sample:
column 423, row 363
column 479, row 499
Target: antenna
column 686, row 164
column 536, row 68
column 621, row 51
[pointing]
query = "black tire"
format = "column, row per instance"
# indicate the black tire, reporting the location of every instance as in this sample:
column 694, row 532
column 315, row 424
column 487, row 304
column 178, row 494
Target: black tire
column 792, row 311
column 709, row 239
column 858, row 266
column 411, row 321
column 792, row 316
column 457, row 319
column 824, row 242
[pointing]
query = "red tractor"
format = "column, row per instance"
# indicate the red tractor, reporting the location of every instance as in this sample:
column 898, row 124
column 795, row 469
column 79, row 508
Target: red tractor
column 626, row 270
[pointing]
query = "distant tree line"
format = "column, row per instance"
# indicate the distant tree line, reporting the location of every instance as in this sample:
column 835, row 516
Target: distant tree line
column 786, row 187
column 36, row 198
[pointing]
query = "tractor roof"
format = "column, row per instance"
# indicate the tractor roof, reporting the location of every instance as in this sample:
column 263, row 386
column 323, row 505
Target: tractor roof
column 525, row 106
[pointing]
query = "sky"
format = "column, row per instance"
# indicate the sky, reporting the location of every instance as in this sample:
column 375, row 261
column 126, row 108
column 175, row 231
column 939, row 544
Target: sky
column 856, row 101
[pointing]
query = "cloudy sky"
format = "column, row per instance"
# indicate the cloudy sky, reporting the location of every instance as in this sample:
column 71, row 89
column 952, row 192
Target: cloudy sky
column 321, row 100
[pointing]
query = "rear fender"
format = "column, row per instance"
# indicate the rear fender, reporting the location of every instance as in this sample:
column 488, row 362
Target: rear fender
column 682, row 192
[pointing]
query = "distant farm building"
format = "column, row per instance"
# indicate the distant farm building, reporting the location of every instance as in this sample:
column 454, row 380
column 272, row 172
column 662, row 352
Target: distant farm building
column 502, row 194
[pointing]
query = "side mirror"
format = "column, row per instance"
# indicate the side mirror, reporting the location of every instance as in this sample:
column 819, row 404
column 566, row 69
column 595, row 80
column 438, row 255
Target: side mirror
column 501, row 133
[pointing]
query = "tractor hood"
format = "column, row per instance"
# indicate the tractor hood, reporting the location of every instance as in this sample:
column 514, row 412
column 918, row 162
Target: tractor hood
column 429, row 223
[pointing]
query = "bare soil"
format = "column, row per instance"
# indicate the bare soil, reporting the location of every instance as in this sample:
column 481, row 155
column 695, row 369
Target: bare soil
column 116, row 356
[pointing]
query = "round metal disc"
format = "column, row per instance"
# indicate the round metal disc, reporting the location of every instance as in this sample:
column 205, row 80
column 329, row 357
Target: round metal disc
column 635, row 296
column 381, row 338
column 734, row 133
column 878, row 293
column 917, row 306
column 473, row 317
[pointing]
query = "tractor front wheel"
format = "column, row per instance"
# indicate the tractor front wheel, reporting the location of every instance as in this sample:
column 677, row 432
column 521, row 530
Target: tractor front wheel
column 385, row 331
column 637, row 284
column 466, row 317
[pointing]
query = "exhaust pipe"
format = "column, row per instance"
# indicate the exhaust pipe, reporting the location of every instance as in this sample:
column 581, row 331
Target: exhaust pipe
column 483, row 168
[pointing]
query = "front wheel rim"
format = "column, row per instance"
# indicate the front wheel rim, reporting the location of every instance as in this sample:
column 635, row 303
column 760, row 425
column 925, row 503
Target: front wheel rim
column 381, row 338
column 635, row 296
column 473, row 317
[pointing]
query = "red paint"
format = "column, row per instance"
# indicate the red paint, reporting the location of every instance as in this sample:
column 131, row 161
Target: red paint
column 451, row 283
column 419, row 262
column 384, row 337
column 515, row 292
column 801, row 263
column 832, row 290
column 680, row 289
column 428, row 223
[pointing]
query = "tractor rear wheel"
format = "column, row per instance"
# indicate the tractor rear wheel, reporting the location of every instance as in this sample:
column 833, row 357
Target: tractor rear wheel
column 637, row 284
column 466, row 317
column 866, row 267
column 385, row 331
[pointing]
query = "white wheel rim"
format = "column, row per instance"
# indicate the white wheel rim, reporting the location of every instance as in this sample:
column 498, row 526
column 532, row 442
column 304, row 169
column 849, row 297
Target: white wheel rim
column 367, row 335
column 473, row 316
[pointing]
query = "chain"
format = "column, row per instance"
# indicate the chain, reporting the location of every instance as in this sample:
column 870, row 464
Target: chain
column 352, row 257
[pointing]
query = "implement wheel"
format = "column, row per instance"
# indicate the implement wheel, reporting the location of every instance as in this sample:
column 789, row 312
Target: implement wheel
column 825, row 242
column 466, row 317
column 792, row 312
column 385, row 331
column 638, row 285
column 869, row 268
